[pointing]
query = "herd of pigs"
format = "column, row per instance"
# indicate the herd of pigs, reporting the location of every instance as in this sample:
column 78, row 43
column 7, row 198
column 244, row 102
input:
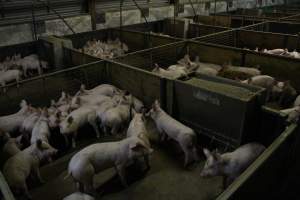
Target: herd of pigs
column 277, row 91
column 111, row 111
column 109, row 49
column 15, row 67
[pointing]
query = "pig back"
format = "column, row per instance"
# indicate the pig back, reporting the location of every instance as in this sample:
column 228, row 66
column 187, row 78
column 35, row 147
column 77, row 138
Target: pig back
column 101, row 156
column 172, row 127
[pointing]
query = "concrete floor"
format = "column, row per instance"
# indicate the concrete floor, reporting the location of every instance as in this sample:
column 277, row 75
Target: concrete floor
column 165, row 180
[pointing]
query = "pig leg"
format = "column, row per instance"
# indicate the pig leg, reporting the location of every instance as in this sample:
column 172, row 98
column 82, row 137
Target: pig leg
column 115, row 129
column 26, row 192
column 121, row 172
column 92, row 122
column 66, row 140
column 146, row 160
column 74, row 136
column 227, row 181
column 186, row 155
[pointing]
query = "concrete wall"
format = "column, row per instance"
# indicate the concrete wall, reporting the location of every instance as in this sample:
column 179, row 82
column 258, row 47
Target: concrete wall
column 24, row 33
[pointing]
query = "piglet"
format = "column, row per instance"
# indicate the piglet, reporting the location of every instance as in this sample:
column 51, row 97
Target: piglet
column 100, row 156
column 78, row 118
column 230, row 165
column 167, row 126
column 79, row 196
column 17, row 168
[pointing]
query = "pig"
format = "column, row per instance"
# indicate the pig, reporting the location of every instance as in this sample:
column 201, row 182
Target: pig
column 32, row 62
column 297, row 101
column 167, row 126
column 100, row 156
column 104, row 89
column 172, row 74
column 137, row 128
column 29, row 122
column 116, row 117
column 9, row 76
column 216, row 67
column 18, row 168
column 137, row 104
column 90, row 99
column 230, row 165
column 79, row 196
column 269, row 83
column 207, row 71
column 293, row 116
column 78, row 118
column 13, row 122
column 41, row 130
column 248, row 70
column 275, row 51
column 12, row 146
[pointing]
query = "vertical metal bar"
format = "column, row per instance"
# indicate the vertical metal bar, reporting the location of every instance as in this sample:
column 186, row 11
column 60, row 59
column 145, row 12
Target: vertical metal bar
column 33, row 20
column 92, row 12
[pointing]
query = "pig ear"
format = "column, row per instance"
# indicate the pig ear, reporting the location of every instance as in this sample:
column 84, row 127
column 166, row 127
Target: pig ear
column 82, row 87
column 70, row 120
column 206, row 153
column 23, row 103
column 39, row 143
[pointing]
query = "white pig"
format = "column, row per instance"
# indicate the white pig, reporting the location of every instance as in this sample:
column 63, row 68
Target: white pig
column 167, row 126
column 100, row 156
column 13, row 122
column 41, row 129
column 90, row 99
column 12, row 146
column 137, row 128
column 10, row 75
column 17, row 168
column 267, row 82
column 79, row 196
column 78, row 118
column 230, row 165
column 172, row 74
column 104, row 89
column 116, row 117
column 29, row 122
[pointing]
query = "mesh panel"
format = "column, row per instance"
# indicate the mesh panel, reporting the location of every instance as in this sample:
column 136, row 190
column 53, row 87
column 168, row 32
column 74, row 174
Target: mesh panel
column 226, row 38
column 40, row 91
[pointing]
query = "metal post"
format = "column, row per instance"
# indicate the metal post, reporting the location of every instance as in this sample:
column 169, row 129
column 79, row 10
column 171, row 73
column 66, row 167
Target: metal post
column 92, row 12
column 33, row 20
